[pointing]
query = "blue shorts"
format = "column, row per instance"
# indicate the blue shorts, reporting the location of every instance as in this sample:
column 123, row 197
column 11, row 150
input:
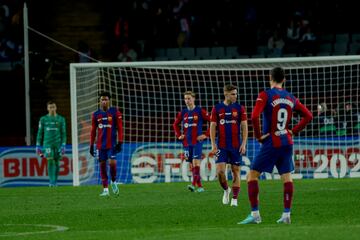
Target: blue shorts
column 193, row 152
column 105, row 154
column 231, row 156
column 269, row 156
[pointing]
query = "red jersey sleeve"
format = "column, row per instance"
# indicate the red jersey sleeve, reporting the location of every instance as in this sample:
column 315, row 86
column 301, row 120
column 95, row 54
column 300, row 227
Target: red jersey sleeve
column 306, row 117
column 176, row 123
column 206, row 117
column 243, row 114
column 213, row 117
column 258, row 109
column 119, row 126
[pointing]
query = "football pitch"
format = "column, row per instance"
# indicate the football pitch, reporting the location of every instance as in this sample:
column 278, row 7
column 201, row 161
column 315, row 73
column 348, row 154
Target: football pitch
column 322, row 209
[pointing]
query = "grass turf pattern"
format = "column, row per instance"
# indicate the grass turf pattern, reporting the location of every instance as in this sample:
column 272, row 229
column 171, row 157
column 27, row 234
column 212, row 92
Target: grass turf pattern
column 322, row 209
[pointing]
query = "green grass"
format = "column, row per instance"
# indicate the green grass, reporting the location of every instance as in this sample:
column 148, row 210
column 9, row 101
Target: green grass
column 322, row 209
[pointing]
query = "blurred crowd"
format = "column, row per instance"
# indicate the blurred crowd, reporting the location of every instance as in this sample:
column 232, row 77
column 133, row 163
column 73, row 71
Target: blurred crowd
column 287, row 26
column 344, row 121
column 135, row 28
column 11, row 31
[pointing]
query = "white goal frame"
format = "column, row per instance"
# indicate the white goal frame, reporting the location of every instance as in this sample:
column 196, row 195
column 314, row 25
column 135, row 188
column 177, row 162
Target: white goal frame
column 269, row 62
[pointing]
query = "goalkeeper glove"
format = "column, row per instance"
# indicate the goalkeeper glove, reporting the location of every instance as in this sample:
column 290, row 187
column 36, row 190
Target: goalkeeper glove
column 92, row 150
column 62, row 149
column 118, row 147
column 38, row 151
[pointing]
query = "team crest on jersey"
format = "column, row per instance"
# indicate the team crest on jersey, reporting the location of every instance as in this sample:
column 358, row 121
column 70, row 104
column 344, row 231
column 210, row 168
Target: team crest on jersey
column 109, row 118
column 235, row 114
column 195, row 117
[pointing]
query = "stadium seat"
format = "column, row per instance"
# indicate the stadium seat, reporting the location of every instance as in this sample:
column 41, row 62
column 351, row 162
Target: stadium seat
column 258, row 56
column 242, row 56
column 325, row 48
column 161, row 59
column 217, row 52
column 289, row 55
column 160, row 52
column 342, row 38
column 5, row 66
column 354, row 48
column 340, row 48
column 203, row 52
column 327, row 38
column 355, row 38
column 187, row 53
column 173, row 53
column 146, row 59
column 231, row 52
column 262, row 50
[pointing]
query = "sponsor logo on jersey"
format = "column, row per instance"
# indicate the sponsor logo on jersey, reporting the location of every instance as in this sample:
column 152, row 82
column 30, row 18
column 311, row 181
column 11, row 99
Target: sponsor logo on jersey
column 51, row 129
column 104, row 125
column 223, row 121
column 186, row 125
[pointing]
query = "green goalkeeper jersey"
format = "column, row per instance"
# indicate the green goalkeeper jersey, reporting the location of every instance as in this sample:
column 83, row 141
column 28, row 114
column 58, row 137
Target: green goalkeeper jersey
column 52, row 131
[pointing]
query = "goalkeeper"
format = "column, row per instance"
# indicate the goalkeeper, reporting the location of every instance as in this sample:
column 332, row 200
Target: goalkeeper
column 107, row 122
column 51, row 140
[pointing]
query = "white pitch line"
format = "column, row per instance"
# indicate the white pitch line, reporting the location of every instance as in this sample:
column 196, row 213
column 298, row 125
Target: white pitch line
column 54, row 228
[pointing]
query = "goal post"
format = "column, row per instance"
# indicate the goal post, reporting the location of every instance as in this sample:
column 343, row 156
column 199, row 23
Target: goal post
column 149, row 94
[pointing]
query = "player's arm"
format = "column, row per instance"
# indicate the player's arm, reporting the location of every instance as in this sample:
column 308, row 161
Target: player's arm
column 205, row 116
column 63, row 132
column 213, row 125
column 120, row 132
column 63, row 136
column 119, row 122
column 306, row 117
column 244, row 131
column 40, row 133
column 39, row 138
column 93, row 134
column 176, row 127
column 255, row 116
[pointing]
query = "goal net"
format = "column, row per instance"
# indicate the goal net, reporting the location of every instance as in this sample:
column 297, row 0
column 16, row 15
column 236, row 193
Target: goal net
column 150, row 94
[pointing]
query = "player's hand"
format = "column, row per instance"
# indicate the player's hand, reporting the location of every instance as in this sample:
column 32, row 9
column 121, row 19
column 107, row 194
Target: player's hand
column 291, row 132
column 214, row 149
column 242, row 149
column 201, row 137
column 118, row 147
column 38, row 151
column 62, row 149
column 92, row 151
column 182, row 136
column 263, row 137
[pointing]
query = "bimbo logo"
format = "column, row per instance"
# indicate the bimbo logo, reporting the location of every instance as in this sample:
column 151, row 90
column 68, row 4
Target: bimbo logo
column 21, row 166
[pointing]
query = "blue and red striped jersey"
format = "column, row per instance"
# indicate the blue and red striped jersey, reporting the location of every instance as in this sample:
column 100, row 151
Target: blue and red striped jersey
column 228, row 120
column 109, row 127
column 277, row 106
column 192, row 124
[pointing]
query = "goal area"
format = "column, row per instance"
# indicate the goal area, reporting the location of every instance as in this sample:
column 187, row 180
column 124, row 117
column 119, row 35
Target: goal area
column 150, row 94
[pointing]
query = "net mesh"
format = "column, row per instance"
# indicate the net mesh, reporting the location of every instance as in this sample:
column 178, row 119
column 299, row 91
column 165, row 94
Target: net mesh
column 150, row 94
